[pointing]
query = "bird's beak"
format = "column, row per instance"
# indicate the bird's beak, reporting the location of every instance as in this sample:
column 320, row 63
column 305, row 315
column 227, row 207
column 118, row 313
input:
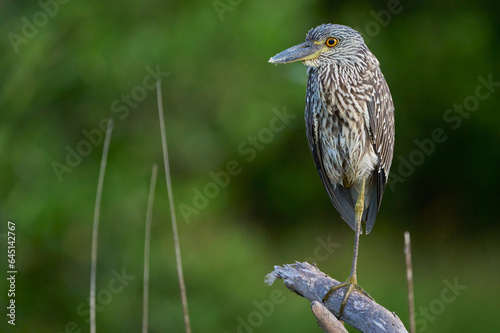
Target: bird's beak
column 301, row 52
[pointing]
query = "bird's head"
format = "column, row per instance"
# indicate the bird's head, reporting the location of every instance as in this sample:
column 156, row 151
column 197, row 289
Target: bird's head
column 326, row 44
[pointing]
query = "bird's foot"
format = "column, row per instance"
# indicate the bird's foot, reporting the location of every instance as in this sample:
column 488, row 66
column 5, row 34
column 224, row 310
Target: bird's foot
column 351, row 285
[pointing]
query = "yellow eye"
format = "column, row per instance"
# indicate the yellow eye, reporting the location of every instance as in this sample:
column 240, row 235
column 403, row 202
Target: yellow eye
column 331, row 42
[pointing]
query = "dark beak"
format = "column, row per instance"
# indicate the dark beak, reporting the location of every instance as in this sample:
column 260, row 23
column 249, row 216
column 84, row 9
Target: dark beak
column 301, row 52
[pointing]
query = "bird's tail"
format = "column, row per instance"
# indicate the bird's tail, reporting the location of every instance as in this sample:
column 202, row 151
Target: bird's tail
column 344, row 199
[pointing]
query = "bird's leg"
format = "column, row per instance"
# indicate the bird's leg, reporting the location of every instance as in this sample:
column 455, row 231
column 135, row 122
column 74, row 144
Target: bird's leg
column 352, row 282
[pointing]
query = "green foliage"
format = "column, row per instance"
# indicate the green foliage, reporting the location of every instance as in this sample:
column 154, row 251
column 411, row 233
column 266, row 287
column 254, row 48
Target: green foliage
column 93, row 60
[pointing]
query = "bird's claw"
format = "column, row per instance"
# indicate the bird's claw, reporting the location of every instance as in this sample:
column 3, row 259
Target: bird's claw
column 351, row 285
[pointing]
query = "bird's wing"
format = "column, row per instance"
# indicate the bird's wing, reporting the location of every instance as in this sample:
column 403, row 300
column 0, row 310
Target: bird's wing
column 341, row 197
column 381, row 122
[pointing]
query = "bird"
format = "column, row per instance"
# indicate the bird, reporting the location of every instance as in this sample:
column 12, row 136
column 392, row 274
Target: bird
column 349, row 115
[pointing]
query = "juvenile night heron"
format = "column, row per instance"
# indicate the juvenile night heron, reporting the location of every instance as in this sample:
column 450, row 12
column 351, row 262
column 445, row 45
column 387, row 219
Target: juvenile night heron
column 350, row 126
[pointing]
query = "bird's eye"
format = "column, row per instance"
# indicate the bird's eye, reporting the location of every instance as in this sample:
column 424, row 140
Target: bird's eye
column 331, row 42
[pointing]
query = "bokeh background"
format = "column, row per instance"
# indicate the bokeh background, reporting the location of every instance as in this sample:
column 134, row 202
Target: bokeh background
column 67, row 66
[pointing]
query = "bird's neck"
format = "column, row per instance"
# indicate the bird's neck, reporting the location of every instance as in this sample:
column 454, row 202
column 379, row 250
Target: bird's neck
column 332, row 75
column 343, row 72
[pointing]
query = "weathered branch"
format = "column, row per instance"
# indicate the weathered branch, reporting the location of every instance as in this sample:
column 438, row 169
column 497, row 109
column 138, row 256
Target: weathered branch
column 360, row 312
column 326, row 320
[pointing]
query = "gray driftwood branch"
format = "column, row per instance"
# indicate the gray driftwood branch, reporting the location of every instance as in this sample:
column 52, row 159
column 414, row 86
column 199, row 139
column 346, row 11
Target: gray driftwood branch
column 326, row 320
column 360, row 312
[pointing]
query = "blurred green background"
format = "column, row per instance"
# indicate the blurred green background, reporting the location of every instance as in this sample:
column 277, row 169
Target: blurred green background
column 68, row 66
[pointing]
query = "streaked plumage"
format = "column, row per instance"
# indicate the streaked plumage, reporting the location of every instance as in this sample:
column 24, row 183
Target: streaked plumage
column 350, row 123
column 349, row 117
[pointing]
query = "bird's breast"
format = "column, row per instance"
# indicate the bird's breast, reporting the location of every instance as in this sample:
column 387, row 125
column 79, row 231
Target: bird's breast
column 341, row 119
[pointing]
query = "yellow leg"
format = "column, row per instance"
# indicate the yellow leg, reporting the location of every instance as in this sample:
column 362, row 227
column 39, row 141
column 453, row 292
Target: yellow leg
column 352, row 282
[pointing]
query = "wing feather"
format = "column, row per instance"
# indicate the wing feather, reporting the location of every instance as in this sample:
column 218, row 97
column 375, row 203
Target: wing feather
column 381, row 115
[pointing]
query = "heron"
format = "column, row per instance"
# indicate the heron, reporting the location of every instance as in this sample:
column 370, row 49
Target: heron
column 349, row 116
